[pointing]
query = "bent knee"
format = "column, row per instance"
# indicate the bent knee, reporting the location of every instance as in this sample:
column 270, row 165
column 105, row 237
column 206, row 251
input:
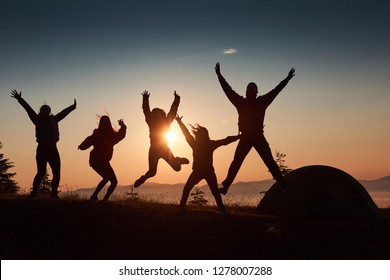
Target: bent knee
column 177, row 168
column 114, row 182
column 150, row 173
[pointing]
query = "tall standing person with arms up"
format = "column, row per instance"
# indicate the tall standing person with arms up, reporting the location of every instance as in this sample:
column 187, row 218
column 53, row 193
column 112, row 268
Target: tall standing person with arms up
column 251, row 111
column 47, row 134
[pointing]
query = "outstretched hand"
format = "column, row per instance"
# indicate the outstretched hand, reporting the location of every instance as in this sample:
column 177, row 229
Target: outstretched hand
column 74, row 102
column 178, row 118
column 15, row 94
column 291, row 73
column 145, row 93
column 121, row 123
column 217, row 68
column 175, row 94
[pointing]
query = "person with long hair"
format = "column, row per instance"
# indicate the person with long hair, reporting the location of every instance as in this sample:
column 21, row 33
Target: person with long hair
column 251, row 112
column 103, row 140
column 47, row 135
column 202, row 168
column 159, row 123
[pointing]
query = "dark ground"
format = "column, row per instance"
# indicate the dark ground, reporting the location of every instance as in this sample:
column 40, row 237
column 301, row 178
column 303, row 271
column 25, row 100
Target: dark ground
column 83, row 230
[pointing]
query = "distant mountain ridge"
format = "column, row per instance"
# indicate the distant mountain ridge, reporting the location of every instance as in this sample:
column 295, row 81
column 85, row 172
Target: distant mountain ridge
column 379, row 185
column 374, row 187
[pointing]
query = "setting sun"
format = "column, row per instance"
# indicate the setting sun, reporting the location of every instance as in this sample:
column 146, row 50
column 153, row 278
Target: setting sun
column 171, row 137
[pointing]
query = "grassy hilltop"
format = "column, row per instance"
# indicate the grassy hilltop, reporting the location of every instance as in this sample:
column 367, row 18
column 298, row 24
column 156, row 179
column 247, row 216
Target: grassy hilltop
column 124, row 229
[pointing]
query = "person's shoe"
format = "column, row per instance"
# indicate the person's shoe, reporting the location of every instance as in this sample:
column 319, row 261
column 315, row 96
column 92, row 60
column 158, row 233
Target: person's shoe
column 182, row 207
column 93, row 198
column 184, row 161
column 223, row 190
column 139, row 182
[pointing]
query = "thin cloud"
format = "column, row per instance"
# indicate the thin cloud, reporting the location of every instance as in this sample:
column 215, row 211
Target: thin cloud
column 230, row 51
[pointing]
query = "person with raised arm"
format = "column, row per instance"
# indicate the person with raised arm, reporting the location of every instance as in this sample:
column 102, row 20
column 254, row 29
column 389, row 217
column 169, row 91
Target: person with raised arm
column 47, row 135
column 159, row 123
column 202, row 168
column 103, row 140
column 251, row 111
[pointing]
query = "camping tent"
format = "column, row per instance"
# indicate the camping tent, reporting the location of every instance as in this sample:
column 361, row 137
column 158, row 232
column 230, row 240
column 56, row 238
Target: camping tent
column 320, row 192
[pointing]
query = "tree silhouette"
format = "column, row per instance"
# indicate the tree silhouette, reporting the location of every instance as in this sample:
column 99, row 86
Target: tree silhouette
column 7, row 184
column 45, row 186
column 132, row 194
column 284, row 169
column 198, row 197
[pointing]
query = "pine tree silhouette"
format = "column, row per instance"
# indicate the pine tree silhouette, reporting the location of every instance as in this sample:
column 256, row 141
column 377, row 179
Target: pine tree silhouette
column 7, row 184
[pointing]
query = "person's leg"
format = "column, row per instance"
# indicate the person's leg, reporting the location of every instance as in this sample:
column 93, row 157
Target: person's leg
column 41, row 160
column 101, row 170
column 55, row 165
column 114, row 181
column 99, row 187
column 153, row 161
column 242, row 150
column 211, row 180
column 263, row 149
column 191, row 182
column 174, row 162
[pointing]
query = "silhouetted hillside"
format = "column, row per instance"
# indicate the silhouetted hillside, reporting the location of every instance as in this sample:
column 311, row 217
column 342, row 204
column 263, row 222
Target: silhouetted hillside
column 81, row 229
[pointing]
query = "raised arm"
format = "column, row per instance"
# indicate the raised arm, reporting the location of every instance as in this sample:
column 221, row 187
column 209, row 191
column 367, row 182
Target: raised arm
column 31, row 113
column 190, row 139
column 174, row 107
column 270, row 96
column 227, row 140
column 121, row 132
column 61, row 115
column 145, row 104
column 233, row 96
column 88, row 142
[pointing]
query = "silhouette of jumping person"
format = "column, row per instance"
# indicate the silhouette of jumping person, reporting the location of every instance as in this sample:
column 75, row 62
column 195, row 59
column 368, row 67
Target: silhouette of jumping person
column 202, row 168
column 47, row 135
column 251, row 112
column 103, row 140
column 159, row 123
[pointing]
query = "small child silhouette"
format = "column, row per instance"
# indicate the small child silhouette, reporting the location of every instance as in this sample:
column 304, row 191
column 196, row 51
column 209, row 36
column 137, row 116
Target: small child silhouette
column 203, row 149
column 103, row 140
column 159, row 122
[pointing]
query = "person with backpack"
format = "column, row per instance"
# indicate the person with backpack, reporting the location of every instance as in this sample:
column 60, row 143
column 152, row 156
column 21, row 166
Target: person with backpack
column 47, row 135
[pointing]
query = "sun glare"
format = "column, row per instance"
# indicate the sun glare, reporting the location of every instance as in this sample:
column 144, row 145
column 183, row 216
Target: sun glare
column 171, row 137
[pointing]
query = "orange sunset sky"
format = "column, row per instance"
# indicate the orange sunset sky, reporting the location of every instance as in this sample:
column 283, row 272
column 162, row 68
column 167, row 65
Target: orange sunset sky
column 335, row 111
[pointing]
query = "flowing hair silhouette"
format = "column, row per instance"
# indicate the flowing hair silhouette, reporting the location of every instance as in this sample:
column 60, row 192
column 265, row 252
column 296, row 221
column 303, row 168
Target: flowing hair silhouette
column 202, row 148
column 103, row 140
